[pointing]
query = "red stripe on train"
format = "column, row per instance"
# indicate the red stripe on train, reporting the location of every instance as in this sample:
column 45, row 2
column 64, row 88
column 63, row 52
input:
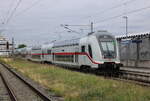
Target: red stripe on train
column 70, row 53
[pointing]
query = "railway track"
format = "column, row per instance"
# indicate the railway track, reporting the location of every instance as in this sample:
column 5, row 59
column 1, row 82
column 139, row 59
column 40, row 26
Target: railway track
column 141, row 78
column 16, row 88
column 137, row 77
column 6, row 93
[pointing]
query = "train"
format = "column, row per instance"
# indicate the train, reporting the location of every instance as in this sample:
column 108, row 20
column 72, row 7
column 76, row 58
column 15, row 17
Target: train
column 98, row 50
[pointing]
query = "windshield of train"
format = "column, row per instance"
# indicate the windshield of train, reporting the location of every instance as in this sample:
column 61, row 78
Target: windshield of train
column 107, row 46
column 108, row 49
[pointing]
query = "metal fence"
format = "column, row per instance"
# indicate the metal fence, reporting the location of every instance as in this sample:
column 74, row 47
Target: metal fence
column 135, row 51
column 132, row 50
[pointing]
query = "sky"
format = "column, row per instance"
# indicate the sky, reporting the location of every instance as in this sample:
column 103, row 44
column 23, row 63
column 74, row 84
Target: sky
column 35, row 22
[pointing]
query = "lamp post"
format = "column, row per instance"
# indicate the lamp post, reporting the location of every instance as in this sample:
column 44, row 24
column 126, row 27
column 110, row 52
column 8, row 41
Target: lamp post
column 127, row 49
column 126, row 18
column 13, row 47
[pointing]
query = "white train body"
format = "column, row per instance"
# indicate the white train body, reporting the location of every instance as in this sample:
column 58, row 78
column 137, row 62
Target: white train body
column 98, row 50
column 36, row 54
column 46, row 55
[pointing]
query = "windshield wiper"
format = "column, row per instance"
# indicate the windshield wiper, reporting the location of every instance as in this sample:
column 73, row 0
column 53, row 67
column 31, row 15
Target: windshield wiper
column 109, row 54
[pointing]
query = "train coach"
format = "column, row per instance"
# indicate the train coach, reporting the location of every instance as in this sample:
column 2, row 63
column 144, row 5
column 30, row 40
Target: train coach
column 98, row 50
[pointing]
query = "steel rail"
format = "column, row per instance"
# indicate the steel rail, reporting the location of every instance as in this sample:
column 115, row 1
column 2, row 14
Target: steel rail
column 37, row 91
column 137, row 77
column 131, row 81
column 9, row 89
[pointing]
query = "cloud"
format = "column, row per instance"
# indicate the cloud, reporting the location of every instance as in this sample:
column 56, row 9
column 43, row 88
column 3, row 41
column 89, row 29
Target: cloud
column 40, row 22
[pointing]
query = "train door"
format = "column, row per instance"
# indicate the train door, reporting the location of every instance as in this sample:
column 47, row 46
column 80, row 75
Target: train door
column 42, row 56
column 49, row 52
column 76, row 56
column 90, row 51
column 86, row 53
column 90, row 55
column 82, row 57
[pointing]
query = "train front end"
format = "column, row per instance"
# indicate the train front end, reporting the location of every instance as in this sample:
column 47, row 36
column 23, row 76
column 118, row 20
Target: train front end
column 109, row 51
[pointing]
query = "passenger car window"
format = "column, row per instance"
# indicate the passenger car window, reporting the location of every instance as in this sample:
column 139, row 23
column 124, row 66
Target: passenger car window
column 82, row 48
column 49, row 51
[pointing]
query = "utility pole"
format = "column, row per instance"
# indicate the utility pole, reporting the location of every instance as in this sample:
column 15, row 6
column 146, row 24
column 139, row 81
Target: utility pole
column 12, row 47
column 91, row 27
column 127, row 49
column 126, row 18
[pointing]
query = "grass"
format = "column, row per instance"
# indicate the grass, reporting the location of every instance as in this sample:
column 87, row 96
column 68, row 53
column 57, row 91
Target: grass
column 75, row 86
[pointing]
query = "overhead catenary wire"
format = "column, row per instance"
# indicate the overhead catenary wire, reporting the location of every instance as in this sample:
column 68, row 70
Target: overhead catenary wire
column 10, row 8
column 13, row 12
column 107, row 19
column 9, row 16
column 21, row 12
column 28, row 8
column 111, row 8
column 37, row 1
column 2, row 19
column 120, row 15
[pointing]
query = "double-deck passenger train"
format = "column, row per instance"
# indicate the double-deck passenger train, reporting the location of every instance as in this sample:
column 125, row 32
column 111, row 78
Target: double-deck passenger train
column 98, row 50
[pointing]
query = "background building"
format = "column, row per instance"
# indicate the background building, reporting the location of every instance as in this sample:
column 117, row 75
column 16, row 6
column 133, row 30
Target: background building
column 6, row 46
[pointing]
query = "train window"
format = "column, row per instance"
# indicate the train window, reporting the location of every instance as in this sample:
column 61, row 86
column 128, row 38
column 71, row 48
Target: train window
column 49, row 51
column 82, row 48
column 90, row 50
column 64, row 58
column 36, row 56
